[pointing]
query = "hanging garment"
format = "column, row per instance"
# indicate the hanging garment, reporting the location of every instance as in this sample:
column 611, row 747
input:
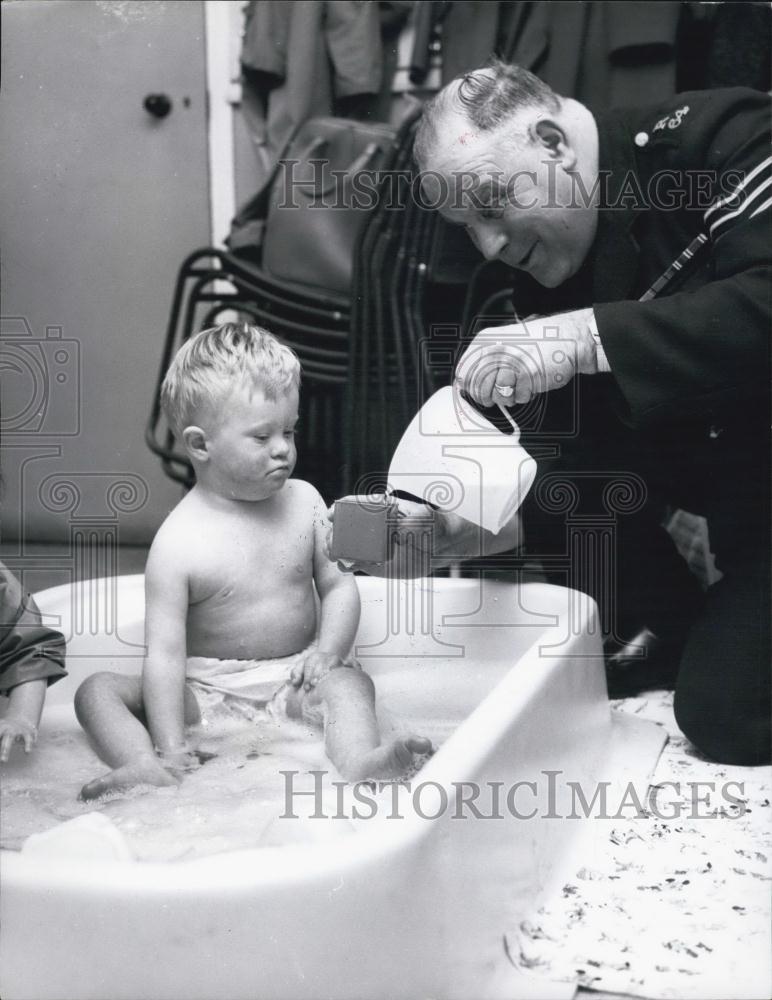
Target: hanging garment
column 302, row 60
column 604, row 54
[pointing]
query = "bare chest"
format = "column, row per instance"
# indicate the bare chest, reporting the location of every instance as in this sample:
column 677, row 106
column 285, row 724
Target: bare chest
column 245, row 566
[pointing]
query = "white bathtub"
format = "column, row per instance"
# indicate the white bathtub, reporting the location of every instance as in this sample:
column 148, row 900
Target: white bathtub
column 403, row 908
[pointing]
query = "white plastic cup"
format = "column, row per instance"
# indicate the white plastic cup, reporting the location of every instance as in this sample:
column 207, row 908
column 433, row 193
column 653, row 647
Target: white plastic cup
column 455, row 458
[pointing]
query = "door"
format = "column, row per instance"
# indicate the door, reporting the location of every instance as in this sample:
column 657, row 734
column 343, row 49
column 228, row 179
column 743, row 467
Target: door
column 101, row 200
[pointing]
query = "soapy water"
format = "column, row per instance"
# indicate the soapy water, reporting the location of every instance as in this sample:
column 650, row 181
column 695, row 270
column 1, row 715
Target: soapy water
column 233, row 801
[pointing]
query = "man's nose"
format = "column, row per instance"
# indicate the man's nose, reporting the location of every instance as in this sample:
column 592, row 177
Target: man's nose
column 281, row 446
column 490, row 240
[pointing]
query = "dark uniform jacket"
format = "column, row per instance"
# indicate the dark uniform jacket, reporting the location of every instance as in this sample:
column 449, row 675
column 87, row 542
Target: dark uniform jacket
column 29, row 651
column 704, row 348
column 693, row 363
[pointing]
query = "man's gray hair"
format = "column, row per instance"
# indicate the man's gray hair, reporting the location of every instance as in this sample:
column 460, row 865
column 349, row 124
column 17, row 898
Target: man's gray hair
column 487, row 97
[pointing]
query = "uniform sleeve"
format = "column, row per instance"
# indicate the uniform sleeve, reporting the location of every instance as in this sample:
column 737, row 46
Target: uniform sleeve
column 29, row 651
column 700, row 352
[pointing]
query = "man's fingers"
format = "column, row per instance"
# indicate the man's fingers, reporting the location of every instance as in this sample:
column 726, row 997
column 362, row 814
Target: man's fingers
column 504, row 387
column 487, row 387
column 490, row 375
column 527, row 384
column 478, row 384
column 497, row 386
column 5, row 746
column 472, row 371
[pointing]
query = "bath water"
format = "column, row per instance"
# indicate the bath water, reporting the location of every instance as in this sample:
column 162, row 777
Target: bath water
column 233, row 801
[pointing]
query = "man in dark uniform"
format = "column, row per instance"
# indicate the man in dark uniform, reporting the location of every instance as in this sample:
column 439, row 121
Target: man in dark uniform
column 641, row 248
column 673, row 362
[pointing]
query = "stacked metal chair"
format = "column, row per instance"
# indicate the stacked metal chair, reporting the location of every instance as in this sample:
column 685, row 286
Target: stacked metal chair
column 410, row 270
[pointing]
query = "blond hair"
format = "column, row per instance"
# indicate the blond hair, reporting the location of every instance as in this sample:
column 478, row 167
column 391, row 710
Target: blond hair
column 211, row 363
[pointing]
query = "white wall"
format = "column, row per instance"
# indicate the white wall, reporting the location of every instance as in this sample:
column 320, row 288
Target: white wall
column 100, row 203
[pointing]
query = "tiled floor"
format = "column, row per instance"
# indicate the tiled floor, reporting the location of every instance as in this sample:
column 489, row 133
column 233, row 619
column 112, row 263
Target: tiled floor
column 673, row 902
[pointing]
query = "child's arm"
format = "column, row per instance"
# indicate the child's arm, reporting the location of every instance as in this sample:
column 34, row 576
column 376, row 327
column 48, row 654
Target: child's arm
column 339, row 598
column 22, row 718
column 31, row 657
column 163, row 673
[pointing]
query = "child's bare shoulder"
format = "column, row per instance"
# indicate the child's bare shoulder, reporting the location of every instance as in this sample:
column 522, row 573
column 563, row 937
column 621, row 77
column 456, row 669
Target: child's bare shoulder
column 172, row 548
column 303, row 499
column 303, row 492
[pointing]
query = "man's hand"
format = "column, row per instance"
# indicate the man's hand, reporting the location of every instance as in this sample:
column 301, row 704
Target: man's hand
column 14, row 730
column 313, row 668
column 510, row 364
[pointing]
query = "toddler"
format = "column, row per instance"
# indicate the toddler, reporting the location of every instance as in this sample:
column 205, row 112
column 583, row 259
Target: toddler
column 232, row 582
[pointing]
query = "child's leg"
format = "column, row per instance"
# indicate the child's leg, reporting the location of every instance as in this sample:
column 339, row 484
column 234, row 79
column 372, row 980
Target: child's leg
column 352, row 739
column 109, row 707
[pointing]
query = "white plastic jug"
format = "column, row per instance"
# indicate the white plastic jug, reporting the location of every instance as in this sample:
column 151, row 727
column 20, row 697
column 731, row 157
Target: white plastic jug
column 455, row 458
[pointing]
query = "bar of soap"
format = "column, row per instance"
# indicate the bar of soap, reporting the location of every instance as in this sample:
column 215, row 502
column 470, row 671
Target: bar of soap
column 361, row 530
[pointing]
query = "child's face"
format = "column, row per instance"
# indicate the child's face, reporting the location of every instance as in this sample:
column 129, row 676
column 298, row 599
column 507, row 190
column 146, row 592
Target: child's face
column 252, row 445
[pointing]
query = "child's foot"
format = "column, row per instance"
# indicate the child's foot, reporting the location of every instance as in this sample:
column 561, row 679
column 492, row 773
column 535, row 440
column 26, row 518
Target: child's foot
column 147, row 771
column 390, row 760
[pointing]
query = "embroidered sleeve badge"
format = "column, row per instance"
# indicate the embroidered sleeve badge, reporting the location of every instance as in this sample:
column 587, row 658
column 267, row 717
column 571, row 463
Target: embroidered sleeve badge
column 672, row 121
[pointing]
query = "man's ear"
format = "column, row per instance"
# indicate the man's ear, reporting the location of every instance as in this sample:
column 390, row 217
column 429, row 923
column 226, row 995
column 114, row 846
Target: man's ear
column 550, row 135
column 196, row 444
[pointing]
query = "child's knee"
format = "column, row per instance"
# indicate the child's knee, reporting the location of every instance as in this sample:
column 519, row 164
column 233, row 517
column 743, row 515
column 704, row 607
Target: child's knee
column 91, row 690
column 104, row 688
column 347, row 678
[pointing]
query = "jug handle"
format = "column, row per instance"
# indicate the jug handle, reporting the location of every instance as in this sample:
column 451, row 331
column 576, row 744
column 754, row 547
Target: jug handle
column 510, row 420
column 508, row 416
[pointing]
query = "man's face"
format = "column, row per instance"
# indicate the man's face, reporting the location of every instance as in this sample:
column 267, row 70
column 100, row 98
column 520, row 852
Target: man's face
column 515, row 193
column 251, row 445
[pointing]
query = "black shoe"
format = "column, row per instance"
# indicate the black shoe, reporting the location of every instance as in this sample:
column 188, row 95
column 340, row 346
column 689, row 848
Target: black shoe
column 645, row 663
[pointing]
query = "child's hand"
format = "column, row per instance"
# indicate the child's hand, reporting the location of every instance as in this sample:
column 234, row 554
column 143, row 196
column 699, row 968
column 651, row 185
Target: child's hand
column 313, row 668
column 13, row 730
